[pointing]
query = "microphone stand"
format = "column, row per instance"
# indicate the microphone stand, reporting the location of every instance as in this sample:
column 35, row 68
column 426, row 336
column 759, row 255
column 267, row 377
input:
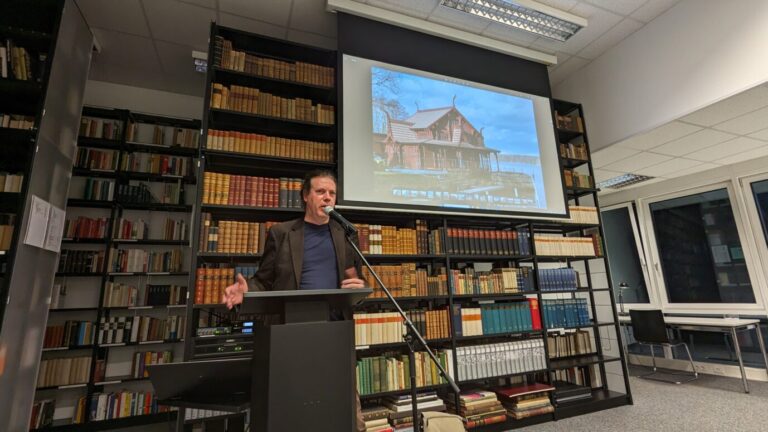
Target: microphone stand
column 411, row 336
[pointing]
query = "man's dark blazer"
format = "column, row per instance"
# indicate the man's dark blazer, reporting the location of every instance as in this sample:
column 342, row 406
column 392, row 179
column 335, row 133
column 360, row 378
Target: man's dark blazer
column 281, row 262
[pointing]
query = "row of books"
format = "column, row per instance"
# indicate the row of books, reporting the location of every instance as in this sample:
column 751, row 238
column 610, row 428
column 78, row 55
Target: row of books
column 11, row 182
column 63, row 371
column 569, row 122
column 496, row 318
column 228, row 236
column 84, row 227
column 478, row 408
column 42, row 413
column 387, row 327
column 569, row 344
column 574, row 151
column 70, row 334
column 127, row 229
column 583, row 376
column 527, row 400
column 143, row 359
column 500, row 359
column 172, row 193
column 239, row 190
column 577, row 179
column 157, row 164
column 140, row 260
column 405, row 280
column 100, row 190
column 469, row 241
column 226, row 57
column 558, row 279
column 167, row 136
column 124, row 295
column 7, row 222
column 92, row 127
column 210, row 282
column 581, row 215
column 391, row 372
column 254, row 101
column 80, row 261
column 16, row 121
column 96, row 159
column 565, row 312
column 16, row 62
column 138, row 328
column 265, row 145
column 107, row 406
column 554, row 244
column 390, row 240
column 505, row 280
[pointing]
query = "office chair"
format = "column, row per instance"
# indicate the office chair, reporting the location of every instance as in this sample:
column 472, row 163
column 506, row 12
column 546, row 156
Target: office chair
column 649, row 329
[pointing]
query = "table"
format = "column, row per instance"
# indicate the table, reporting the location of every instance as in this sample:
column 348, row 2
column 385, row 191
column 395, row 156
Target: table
column 721, row 325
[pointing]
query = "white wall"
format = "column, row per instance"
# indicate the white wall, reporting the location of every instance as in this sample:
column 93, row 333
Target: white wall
column 110, row 95
column 696, row 53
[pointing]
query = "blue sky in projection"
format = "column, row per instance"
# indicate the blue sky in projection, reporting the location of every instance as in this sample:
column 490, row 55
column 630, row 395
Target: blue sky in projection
column 508, row 121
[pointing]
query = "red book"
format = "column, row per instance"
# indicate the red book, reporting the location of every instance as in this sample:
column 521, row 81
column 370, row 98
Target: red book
column 533, row 304
column 510, row 392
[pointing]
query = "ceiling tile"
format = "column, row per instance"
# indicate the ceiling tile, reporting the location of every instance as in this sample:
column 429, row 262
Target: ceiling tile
column 566, row 69
column 695, row 169
column 312, row 39
column 652, row 9
column 761, row 135
column 119, row 15
column 121, row 49
column 659, row 136
column 311, row 16
column 747, row 123
column 667, row 167
column 459, row 20
column 638, row 161
column 611, row 38
column 563, row 5
column 175, row 59
column 745, row 156
column 610, row 155
column 548, row 45
column 146, row 73
column 726, row 149
column 599, row 20
column 419, row 9
column 730, row 108
column 252, row 26
column 693, row 142
column 621, row 7
column 603, row 175
column 509, row 34
column 272, row 11
column 181, row 23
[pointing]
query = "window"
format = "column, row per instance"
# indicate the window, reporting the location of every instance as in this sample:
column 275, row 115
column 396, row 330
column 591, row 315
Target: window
column 701, row 257
column 624, row 255
column 760, row 193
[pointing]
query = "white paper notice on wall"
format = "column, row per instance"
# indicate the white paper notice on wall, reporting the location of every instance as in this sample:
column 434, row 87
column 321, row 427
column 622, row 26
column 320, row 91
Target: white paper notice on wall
column 55, row 229
column 38, row 222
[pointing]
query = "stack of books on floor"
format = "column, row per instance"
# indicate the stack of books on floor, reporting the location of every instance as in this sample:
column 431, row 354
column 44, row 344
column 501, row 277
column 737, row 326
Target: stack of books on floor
column 479, row 408
column 377, row 419
column 400, row 406
column 568, row 392
column 525, row 401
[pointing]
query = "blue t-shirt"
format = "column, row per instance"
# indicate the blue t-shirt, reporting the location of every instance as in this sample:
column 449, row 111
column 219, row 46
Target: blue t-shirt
column 318, row 271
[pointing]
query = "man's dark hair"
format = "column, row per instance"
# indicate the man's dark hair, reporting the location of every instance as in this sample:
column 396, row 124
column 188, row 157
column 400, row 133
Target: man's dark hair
column 306, row 185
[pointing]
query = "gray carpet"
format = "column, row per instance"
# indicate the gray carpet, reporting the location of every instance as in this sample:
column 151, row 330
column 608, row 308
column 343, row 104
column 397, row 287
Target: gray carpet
column 710, row 403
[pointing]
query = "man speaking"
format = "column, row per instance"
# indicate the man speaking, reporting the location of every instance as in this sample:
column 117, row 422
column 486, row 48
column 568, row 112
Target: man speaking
column 306, row 253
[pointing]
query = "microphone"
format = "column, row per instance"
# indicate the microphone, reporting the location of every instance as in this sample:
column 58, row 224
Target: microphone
column 347, row 225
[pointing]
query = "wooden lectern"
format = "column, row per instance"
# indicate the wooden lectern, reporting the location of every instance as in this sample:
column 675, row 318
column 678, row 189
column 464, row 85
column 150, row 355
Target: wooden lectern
column 303, row 373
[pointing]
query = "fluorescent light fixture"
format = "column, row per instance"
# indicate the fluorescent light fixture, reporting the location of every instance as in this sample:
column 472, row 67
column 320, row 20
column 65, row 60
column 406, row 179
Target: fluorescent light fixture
column 524, row 15
column 623, row 180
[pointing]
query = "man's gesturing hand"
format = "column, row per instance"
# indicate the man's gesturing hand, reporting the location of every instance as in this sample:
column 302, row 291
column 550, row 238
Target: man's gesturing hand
column 233, row 294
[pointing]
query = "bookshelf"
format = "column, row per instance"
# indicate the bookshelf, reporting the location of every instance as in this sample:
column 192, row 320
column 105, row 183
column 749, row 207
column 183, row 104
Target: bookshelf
column 449, row 264
column 119, row 294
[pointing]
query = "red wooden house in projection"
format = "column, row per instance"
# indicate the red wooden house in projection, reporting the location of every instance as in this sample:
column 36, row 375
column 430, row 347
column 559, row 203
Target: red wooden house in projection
column 438, row 139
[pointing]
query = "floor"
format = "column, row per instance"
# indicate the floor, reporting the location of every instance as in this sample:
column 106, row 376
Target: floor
column 711, row 403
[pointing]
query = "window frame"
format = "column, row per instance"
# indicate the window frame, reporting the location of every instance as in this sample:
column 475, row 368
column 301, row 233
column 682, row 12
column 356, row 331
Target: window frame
column 760, row 242
column 747, row 245
column 653, row 302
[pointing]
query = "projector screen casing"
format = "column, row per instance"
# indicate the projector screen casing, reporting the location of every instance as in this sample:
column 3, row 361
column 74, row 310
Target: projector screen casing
column 376, row 41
